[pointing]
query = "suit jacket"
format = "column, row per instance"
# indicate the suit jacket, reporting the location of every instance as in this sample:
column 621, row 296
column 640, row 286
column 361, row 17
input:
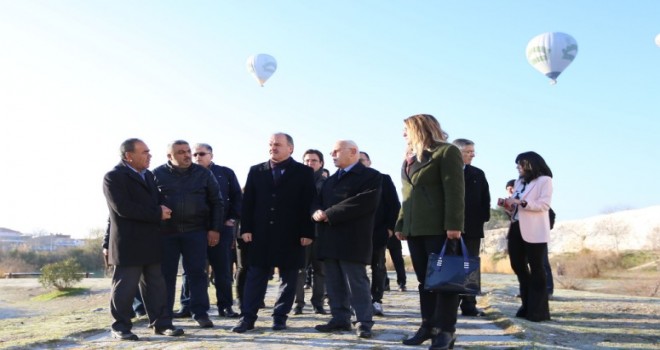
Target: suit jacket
column 135, row 217
column 433, row 193
column 350, row 204
column 278, row 215
column 534, row 219
column 387, row 212
column 477, row 202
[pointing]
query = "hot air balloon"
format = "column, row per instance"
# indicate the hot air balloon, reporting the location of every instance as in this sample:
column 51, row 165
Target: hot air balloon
column 550, row 53
column 262, row 67
column 657, row 40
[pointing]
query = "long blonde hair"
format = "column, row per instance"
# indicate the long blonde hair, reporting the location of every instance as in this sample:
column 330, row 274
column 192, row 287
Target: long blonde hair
column 423, row 132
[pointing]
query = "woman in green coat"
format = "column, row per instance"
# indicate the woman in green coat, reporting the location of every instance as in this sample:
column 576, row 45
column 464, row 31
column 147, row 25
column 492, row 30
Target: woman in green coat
column 432, row 211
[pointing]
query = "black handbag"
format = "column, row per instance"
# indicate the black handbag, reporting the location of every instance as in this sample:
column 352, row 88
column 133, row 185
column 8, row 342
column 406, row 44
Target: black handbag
column 459, row 274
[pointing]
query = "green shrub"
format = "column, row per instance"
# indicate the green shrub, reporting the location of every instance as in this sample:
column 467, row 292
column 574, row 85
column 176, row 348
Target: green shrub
column 61, row 275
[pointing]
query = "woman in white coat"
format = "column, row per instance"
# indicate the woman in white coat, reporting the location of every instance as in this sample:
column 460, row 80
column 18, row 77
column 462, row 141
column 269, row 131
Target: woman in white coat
column 529, row 233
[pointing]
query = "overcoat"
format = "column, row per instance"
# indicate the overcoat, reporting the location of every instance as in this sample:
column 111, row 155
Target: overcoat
column 477, row 202
column 135, row 217
column 350, row 204
column 433, row 193
column 277, row 215
column 534, row 219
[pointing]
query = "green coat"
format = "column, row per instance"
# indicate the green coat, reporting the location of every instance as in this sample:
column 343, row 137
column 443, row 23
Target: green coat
column 433, row 193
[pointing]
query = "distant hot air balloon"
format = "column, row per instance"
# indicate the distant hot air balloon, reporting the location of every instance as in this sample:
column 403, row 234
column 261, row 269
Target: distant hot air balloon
column 550, row 53
column 262, row 66
column 657, row 40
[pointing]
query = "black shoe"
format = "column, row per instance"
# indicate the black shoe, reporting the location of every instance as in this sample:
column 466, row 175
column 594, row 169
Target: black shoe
column 333, row 327
column 364, row 332
column 387, row 288
column 423, row 334
column 443, row 341
column 402, row 288
column 227, row 312
column 319, row 310
column 307, row 286
column 297, row 310
column 242, row 327
column 169, row 331
column 204, row 322
column 181, row 314
column 522, row 312
column 279, row 325
column 473, row 312
column 124, row 335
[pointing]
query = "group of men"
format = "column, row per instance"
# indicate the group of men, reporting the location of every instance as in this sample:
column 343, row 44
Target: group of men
column 290, row 216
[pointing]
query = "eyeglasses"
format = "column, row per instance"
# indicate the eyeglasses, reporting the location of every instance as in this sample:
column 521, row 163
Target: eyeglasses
column 201, row 154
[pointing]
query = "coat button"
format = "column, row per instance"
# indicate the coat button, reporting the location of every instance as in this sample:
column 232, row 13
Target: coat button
column 272, row 222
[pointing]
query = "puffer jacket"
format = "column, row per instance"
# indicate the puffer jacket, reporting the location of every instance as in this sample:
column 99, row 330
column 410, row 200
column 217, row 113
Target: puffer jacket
column 193, row 195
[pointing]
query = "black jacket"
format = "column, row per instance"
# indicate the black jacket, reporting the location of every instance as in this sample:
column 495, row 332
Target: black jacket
column 350, row 204
column 477, row 202
column 194, row 197
column 230, row 191
column 387, row 213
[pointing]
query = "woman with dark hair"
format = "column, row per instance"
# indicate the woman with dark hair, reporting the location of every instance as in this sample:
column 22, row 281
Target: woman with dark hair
column 432, row 212
column 529, row 233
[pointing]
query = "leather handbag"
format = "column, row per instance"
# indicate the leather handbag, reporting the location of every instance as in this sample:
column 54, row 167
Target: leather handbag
column 448, row 273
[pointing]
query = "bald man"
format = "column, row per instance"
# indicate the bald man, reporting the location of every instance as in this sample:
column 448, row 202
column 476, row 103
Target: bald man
column 344, row 212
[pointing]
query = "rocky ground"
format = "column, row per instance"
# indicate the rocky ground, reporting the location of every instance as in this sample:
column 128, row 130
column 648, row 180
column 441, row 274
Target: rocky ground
column 581, row 320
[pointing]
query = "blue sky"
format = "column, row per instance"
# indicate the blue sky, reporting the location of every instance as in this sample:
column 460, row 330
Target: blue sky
column 79, row 77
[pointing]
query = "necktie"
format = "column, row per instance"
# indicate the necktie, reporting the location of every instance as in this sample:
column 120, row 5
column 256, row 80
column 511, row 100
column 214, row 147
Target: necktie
column 341, row 173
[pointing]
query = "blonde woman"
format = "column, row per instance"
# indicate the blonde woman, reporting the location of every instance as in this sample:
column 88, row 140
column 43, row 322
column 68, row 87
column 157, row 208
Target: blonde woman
column 433, row 190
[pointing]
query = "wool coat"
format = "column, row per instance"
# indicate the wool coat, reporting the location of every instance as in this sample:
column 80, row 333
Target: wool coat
column 477, row 202
column 135, row 217
column 433, row 193
column 350, row 204
column 277, row 215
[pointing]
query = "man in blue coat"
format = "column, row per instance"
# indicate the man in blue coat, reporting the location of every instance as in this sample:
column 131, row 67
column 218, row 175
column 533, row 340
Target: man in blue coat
column 275, row 226
column 134, row 246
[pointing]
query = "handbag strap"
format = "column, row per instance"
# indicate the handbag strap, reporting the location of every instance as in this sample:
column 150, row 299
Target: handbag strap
column 466, row 261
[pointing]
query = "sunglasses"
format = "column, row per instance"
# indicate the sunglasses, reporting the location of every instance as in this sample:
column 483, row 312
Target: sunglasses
column 201, row 154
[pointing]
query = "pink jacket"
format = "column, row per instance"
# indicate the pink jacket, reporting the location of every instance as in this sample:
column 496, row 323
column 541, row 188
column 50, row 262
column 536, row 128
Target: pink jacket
column 534, row 219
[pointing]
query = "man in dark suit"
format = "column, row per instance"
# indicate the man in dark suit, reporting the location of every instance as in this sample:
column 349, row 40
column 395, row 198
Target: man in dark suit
column 477, row 212
column 275, row 227
column 345, row 211
column 134, row 246
column 384, row 221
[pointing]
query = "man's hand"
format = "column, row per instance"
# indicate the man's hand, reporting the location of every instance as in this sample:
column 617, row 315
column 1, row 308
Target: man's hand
column 247, row 237
column 305, row 241
column 390, row 233
column 319, row 216
column 400, row 236
column 213, row 238
column 165, row 213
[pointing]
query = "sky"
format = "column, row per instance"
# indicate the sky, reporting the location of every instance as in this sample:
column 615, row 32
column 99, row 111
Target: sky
column 79, row 77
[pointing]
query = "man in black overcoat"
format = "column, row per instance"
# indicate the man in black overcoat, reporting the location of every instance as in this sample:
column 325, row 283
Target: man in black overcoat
column 477, row 212
column 345, row 211
column 134, row 247
column 275, row 226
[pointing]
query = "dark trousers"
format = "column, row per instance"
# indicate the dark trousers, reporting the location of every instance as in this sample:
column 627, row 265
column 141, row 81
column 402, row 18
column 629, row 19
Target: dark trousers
column 318, row 279
column 220, row 259
column 378, row 274
column 527, row 263
column 255, row 292
column 439, row 310
column 240, row 274
column 548, row 272
column 469, row 302
column 348, row 286
column 149, row 280
column 395, row 249
column 192, row 247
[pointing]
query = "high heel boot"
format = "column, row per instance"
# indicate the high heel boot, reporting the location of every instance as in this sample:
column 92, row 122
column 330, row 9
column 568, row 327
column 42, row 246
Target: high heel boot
column 443, row 341
column 423, row 334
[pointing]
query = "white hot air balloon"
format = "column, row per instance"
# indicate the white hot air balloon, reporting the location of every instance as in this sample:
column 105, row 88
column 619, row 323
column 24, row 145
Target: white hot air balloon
column 550, row 53
column 657, row 40
column 262, row 67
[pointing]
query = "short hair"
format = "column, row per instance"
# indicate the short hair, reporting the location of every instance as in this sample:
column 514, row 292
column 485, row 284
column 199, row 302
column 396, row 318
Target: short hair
column 510, row 183
column 533, row 166
column 127, row 146
column 462, row 143
column 205, row 145
column 315, row 151
column 289, row 139
column 366, row 155
column 170, row 146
